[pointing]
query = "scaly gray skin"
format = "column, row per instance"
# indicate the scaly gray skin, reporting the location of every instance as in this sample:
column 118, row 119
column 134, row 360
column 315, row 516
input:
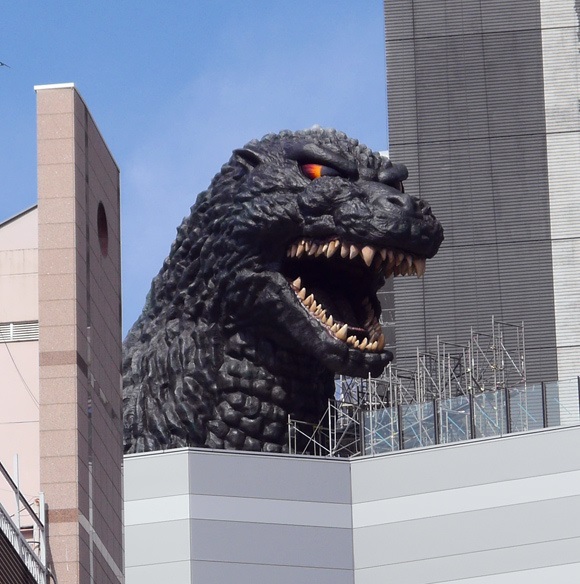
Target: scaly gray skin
column 230, row 340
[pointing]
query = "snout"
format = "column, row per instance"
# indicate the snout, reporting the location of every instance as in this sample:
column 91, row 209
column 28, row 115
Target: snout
column 404, row 217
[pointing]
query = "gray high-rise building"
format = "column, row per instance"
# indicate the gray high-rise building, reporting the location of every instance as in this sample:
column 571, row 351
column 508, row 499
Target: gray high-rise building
column 483, row 108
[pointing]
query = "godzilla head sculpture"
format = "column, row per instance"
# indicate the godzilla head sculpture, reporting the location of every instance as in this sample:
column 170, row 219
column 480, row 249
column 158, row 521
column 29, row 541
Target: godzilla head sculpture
column 269, row 291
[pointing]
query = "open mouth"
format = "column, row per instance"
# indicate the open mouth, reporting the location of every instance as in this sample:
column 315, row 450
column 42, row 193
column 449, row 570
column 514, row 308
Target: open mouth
column 336, row 281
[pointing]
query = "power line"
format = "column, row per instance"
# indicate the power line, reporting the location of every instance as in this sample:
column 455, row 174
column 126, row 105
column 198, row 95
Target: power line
column 20, row 374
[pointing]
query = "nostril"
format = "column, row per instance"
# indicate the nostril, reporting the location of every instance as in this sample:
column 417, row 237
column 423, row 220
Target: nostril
column 395, row 201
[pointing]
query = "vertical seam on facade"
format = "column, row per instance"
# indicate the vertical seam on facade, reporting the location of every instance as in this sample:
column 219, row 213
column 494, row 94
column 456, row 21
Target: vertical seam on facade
column 491, row 172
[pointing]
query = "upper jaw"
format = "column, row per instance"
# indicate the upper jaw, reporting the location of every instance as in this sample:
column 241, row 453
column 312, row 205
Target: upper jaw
column 388, row 261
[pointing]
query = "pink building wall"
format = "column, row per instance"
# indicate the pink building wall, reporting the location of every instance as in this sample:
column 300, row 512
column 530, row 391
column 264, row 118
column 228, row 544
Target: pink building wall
column 19, row 406
column 80, row 340
column 60, row 344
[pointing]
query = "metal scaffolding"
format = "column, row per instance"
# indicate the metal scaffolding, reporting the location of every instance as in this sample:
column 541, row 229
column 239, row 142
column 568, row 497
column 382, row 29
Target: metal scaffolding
column 441, row 399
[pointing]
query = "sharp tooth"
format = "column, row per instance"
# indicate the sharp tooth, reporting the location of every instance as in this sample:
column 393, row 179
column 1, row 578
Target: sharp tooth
column 364, row 343
column 391, row 258
column 410, row 260
column 400, row 257
column 330, row 321
column 344, row 250
column 319, row 311
column 384, row 254
column 313, row 249
column 356, row 344
column 308, row 301
column 302, row 294
column 332, row 247
column 292, row 251
column 380, row 342
column 321, row 250
column 297, row 283
column 351, row 339
column 307, row 245
column 323, row 318
column 341, row 333
column 420, row 267
column 335, row 327
column 313, row 306
column 368, row 254
column 300, row 249
column 372, row 346
column 354, row 251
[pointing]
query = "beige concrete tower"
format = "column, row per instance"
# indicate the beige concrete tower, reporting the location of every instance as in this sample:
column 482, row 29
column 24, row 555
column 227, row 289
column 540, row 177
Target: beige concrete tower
column 80, row 340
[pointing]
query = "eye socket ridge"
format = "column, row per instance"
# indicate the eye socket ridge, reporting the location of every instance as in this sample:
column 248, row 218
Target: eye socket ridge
column 314, row 171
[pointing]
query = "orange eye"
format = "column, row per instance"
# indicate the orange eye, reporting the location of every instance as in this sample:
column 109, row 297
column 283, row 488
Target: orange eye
column 313, row 171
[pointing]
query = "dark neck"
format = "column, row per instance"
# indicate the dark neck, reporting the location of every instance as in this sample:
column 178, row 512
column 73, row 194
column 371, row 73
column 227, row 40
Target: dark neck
column 258, row 386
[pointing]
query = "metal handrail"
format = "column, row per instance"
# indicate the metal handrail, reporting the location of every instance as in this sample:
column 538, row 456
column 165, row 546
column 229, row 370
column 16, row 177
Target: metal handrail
column 436, row 426
column 35, row 563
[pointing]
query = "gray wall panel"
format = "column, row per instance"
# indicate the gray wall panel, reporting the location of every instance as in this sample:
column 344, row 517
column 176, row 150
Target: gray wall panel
column 489, row 529
column 471, row 499
column 403, row 118
column 148, row 478
column 218, row 572
column 274, row 511
column 269, row 476
column 171, row 572
column 532, row 564
column 497, row 15
column 465, row 464
column 284, row 545
column 157, row 543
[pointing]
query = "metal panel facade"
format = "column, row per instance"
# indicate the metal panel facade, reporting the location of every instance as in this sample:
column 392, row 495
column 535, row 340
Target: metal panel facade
column 467, row 96
column 195, row 515
column 491, row 510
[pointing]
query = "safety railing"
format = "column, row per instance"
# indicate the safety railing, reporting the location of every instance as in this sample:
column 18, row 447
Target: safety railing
column 368, row 427
column 11, row 527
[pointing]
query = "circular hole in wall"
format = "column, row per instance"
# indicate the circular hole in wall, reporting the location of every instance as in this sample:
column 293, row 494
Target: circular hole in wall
column 103, row 230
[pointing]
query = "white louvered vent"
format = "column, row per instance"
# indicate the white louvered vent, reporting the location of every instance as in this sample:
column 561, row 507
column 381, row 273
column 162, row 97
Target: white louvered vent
column 11, row 332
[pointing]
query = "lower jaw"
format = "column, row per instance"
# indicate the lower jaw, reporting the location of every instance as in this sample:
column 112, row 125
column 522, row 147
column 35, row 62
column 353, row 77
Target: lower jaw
column 356, row 363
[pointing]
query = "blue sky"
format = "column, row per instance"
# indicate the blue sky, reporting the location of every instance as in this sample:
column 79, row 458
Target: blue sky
column 175, row 86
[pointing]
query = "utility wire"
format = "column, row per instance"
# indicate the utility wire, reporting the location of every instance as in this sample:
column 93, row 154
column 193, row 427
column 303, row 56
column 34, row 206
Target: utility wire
column 5, row 343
